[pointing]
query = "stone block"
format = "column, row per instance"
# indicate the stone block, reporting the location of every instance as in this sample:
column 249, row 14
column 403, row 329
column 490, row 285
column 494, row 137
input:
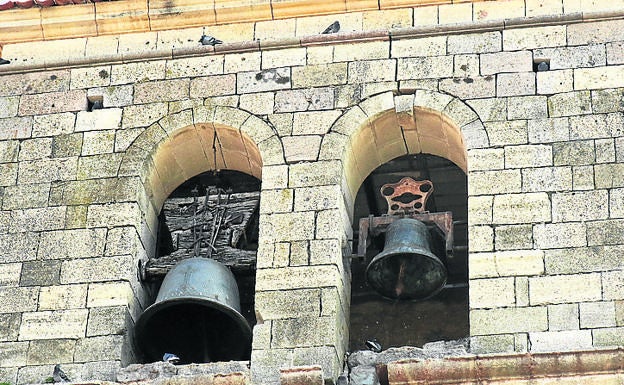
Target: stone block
column 319, row 75
column 563, row 317
column 515, row 84
column 161, row 91
column 287, row 226
column 426, row 16
column 558, row 235
column 569, row 103
column 609, row 175
column 96, row 269
column 565, row 289
column 548, row 130
column 325, row 252
column 542, row 8
column 35, row 82
column 13, row 354
column 314, row 174
column 215, row 85
column 537, row 37
column 67, row 145
column 332, row 224
column 65, row 244
column 420, row 68
column 470, row 87
column 276, row 201
column 258, row 104
column 10, row 274
column 325, row 357
column 597, row 314
column 16, row 128
column 108, row 320
column 590, row 127
column 554, row 82
column 506, row 264
column 104, row 119
column 246, row 61
column 479, row 210
column 99, row 166
column 505, row 133
column 613, row 285
column 454, row 13
column 18, row 299
column 323, row 120
column 574, row 153
column 109, row 294
column 299, row 255
column 583, row 178
column 605, row 101
column 508, row 320
column 98, row 142
column 101, row 348
column 42, row 352
column 96, row 76
column 288, row 303
column 265, row 80
column 497, row 11
column 490, row 293
column 300, row 277
column 18, row 247
column 9, row 150
column 386, row 18
column 375, row 71
column 54, row 102
column 361, row 51
column 266, row 364
column 599, row 77
column 428, row 46
column 47, row 170
column 46, row 325
column 606, row 232
column 474, row 43
column 37, row 219
column 194, row 66
column 579, row 260
column 37, row 148
column 580, row 206
column 498, row 343
column 527, row 107
column 494, row 182
column 500, row 62
column 481, row 238
column 616, row 203
column 113, row 96
column 275, row 177
column 513, row 237
column 9, row 326
column 318, row 198
column 24, row 196
column 138, row 72
column 309, row 99
column 521, row 208
column 143, row 115
column 528, row 156
column 522, row 291
column 8, row 174
column 605, row 150
column 62, row 297
column 547, row 179
column 486, row 159
column 557, row 341
column 614, row 52
column 608, row 336
column 301, row 148
column 303, row 332
column 113, row 214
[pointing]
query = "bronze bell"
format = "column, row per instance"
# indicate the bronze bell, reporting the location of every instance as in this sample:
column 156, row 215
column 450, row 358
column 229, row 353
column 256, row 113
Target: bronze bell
column 196, row 316
column 407, row 269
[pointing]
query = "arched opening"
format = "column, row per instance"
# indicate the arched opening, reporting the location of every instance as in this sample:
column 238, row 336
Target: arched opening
column 204, row 185
column 419, row 136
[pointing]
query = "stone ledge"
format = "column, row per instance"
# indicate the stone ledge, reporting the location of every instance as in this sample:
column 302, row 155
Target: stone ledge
column 508, row 367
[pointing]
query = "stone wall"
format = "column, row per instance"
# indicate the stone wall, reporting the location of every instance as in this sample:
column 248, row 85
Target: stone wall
column 312, row 116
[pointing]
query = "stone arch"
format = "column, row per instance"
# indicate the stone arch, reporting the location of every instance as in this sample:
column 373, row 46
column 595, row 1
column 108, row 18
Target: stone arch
column 187, row 143
column 385, row 126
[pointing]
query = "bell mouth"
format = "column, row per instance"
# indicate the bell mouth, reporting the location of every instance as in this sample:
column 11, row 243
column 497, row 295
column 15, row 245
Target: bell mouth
column 195, row 329
column 407, row 275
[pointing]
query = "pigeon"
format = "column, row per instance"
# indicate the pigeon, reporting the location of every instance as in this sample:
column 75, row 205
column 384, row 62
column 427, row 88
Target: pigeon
column 59, row 375
column 209, row 40
column 373, row 345
column 4, row 61
column 333, row 28
column 172, row 358
column 542, row 66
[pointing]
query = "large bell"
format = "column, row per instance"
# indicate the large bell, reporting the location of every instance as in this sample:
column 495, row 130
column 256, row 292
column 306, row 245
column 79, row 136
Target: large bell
column 407, row 269
column 195, row 316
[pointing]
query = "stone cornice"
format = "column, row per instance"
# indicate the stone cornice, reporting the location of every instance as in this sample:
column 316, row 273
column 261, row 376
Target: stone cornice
column 305, row 41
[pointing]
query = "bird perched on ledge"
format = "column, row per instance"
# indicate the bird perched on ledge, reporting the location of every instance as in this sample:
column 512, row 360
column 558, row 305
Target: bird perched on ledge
column 4, row 61
column 59, row 375
column 333, row 28
column 209, row 40
column 171, row 358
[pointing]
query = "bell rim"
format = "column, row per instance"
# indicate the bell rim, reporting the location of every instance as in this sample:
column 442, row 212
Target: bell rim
column 387, row 254
column 142, row 321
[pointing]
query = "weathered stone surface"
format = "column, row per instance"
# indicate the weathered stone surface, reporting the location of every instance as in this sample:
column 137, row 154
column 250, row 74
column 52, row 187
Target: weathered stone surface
column 559, row 235
column 161, row 91
column 489, row 293
column 563, row 317
column 262, row 81
column 513, row 237
column 98, row 348
column 18, row 299
column 319, row 75
column 374, row 70
column 288, row 226
column 16, row 128
column 597, row 314
column 37, row 219
column 288, row 303
column 53, row 324
column 528, row 38
column 515, row 84
column 518, row 61
column 15, row 354
column 552, row 82
column 96, row 270
column 194, row 66
column 143, row 115
column 470, row 87
column 506, row 263
column 521, row 208
column 47, row 170
column 508, row 320
column 548, row 130
column 18, row 247
column 43, row 352
column 62, row 297
column 497, row 343
column 72, row 244
column 309, row 99
column 138, row 372
column 579, row 206
column 216, row 85
column 613, row 284
column 574, row 153
column 137, row 72
column 509, row 132
column 107, row 320
column 547, row 179
column 565, row 289
column 301, row 148
column 560, row 340
column 53, row 102
column 569, row 103
column 581, row 260
column 284, row 57
column 422, row 68
column 474, row 43
column 25, row 196
column 297, row 277
column 35, row 82
column 303, row 331
column 527, row 107
column 9, row 326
